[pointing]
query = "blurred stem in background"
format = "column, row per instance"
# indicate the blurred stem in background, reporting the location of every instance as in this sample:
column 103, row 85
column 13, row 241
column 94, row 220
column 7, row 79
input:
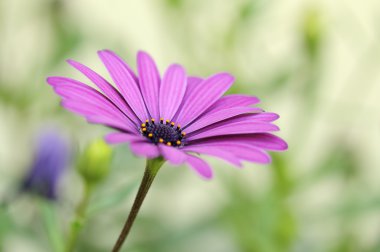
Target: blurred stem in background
column 50, row 219
column 79, row 219
column 151, row 169
column 254, row 219
column 309, row 71
column 313, row 33
column 93, row 166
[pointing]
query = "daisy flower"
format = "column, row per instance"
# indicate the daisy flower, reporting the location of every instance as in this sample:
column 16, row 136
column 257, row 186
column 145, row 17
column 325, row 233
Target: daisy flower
column 173, row 116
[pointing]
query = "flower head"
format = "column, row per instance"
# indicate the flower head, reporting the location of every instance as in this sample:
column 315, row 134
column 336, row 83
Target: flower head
column 51, row 159
column 174, row 116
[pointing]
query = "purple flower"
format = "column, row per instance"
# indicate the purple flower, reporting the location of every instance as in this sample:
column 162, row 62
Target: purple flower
column 176, row 116
column 51, row 159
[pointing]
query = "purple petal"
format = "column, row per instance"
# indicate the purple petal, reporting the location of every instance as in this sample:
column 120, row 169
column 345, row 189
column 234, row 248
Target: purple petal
column 217, row 152
column 127, row 67
column 144, row 149
column 255, row 117
column 89, row 111
column 265, row 117
column 192, row 83
column 268, row 142
column 92, row 117
column 86, row 101
column 121, row 137
column 235, row 100
column 120, row 73
column 232, row 129
column 173, row 155
column 106, row 87
column 200, row 166
column 203, row 96
column 149, row 82
column 242, row 151
column 172, row 90
column 110, row 122
column 244, row 119
column 77, row 91
column 217, row 116
column 76, row 108
column 261, row 140
column 97, row 104
column 250, row 153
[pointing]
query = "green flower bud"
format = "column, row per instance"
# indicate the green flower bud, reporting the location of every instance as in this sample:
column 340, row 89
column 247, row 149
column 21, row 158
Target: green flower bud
column 94, row 164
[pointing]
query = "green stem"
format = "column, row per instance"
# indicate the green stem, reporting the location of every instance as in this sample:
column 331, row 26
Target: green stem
column 51, row 224
column 152, row 167
column 78, row 221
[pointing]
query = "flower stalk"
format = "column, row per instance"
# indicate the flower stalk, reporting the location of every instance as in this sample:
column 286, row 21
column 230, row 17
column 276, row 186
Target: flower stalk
column 80, row 216
column 152, row 167
column 48, row 213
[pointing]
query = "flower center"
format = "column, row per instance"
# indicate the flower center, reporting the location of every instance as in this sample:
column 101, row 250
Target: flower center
column 163, row 132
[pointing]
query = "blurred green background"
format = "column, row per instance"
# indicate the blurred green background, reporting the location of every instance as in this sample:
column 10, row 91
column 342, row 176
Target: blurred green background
column 316, row 63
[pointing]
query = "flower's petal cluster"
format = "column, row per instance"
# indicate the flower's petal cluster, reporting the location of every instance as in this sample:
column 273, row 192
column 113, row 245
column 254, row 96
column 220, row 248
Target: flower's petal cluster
column 228, row 127
column 52, row 157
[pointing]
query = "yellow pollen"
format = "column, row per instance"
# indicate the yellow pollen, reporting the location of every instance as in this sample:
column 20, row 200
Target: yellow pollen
column 152, row 119
column 167, row 121
column 183, row 133
column 161, row 119
column 178, row 126
column 161, row 140
column 146, row 120
column 144, row 129
column 169, row 144
column 178, row 142
column 150, row 135
column 143, row 125
column 172, row 123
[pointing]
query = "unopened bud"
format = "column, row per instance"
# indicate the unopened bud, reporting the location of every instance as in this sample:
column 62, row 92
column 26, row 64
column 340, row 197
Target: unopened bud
column 94, row 164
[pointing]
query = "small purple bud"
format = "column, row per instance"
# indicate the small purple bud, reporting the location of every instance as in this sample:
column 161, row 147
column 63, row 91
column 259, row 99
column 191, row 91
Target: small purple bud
column 51, row 158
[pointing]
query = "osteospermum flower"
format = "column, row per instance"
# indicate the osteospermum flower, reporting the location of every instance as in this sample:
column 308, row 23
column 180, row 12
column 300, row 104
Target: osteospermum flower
column 174, row 116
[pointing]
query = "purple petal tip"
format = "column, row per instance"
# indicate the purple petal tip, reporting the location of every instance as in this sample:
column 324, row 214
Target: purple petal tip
column 72, row 62
column 143, row 54
column 106, row 51
column 226, row 76
column 101, row 52
column 285, row 147
column 51, row 80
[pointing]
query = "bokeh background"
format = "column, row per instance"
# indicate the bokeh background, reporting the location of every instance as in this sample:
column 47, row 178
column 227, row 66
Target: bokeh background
column 316, row 63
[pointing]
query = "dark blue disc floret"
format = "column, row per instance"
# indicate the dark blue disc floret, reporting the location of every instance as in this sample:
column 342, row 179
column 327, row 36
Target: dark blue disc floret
column 165, row 132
